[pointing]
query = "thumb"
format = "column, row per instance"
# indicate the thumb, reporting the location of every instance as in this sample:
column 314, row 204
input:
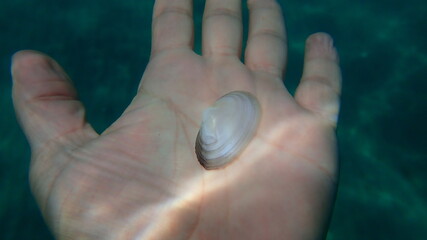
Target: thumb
column 45, row 101
column 320, row 87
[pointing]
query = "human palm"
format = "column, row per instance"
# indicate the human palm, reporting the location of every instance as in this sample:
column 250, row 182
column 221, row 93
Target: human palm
column 140, row 178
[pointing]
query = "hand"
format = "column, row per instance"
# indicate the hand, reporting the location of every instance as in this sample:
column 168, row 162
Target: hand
column 140, row 178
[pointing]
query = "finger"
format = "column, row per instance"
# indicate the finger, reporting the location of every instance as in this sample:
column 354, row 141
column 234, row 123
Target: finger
column 222, row 28
column 320, row 87
column 266, row 47
column 45, row 100
column 172, row 25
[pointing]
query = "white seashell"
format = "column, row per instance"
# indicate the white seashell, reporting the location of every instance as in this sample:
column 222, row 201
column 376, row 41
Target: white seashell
column 227, row 128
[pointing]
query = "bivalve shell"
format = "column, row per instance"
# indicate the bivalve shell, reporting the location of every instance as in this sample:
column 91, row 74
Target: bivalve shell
column 227, row 128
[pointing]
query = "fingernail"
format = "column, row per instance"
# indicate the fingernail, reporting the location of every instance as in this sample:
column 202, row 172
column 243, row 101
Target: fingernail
column 31, row 65
column 321, row 45
column 322, row 39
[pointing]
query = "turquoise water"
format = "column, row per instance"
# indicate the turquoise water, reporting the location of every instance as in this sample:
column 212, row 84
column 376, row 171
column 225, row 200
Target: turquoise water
column 104, row 46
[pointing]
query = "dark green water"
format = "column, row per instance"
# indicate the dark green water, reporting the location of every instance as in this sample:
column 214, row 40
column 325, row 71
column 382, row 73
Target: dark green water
column 105, row 45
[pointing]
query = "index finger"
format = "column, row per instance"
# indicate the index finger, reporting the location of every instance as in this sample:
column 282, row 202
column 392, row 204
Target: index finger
column 266, row 47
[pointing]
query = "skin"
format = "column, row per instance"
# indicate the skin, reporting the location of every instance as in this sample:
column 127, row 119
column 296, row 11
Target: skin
column 140, row 178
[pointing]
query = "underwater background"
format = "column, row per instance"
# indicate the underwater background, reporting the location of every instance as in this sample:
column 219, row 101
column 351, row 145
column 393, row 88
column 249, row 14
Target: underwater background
column 104, row 46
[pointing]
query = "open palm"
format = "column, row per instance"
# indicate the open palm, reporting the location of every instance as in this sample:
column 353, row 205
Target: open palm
column 140, row 178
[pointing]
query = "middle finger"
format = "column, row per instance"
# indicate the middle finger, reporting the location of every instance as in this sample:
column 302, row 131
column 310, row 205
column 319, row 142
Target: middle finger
column 222, row 28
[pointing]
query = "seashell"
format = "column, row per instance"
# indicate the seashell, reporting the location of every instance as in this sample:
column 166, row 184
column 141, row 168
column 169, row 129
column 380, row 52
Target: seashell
column 227, row 128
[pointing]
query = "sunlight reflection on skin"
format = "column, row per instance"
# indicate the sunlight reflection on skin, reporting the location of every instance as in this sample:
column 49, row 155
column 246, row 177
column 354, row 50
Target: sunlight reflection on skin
column 198, row 190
